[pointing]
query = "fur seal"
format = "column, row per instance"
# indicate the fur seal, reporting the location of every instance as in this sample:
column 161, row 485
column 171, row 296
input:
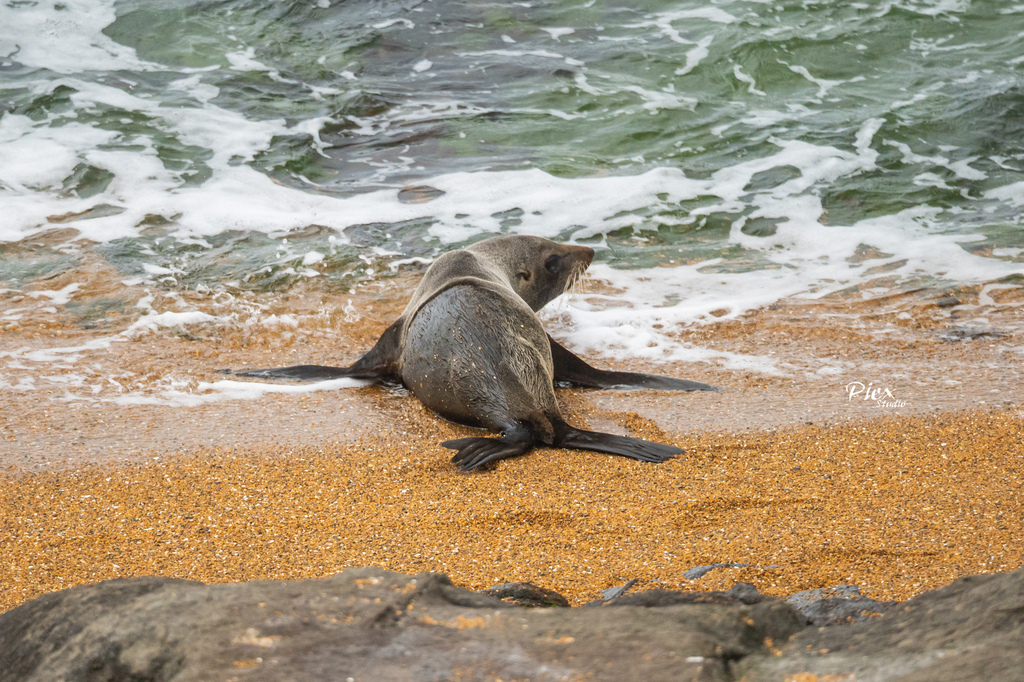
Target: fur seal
column 470, row 346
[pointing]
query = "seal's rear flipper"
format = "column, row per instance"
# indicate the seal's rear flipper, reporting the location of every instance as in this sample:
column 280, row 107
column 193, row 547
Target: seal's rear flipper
column 379, row 364
column 472, row 452
column 572, row 369
column 634, row 448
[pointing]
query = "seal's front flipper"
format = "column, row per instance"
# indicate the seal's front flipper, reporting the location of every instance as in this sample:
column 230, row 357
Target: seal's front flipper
column 297, row 372
column 379, row 364
column 573, row 370
column 634, row 448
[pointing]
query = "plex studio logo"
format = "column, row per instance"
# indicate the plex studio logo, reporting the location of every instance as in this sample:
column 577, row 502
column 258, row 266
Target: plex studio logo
column 880, row 395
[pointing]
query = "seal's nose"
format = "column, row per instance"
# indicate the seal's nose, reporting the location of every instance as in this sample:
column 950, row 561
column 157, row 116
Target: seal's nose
column 587, row 254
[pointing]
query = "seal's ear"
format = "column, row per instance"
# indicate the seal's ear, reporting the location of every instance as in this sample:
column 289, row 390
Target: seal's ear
column 524, row 275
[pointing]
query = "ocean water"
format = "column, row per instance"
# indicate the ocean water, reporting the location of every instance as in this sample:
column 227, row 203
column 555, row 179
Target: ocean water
column 719, row 156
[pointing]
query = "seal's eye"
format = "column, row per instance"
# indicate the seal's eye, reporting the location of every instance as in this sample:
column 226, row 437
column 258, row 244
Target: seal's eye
column 552, row 263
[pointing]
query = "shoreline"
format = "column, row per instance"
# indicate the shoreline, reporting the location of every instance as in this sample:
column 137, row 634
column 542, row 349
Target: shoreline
column 80, row 390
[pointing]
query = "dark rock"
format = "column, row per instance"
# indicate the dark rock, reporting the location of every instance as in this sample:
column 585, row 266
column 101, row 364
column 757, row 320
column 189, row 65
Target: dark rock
column 31, row 634
column 740, row 593
column 746, row 594
column 367, row 624
column 526, row 594
column 373, row 624
column 972, row 629
column 835, row 605
column 419, row 194
column 615, row 592
column 839, row 610
column 612, row 594
column 966, row 334
column 800, row 600
column 700, row 571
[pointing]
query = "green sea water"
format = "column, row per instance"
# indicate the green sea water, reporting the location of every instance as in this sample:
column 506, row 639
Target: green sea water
column 781, row 120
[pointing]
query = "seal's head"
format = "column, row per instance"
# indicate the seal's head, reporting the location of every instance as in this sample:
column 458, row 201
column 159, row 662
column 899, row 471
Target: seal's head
column 537, row 269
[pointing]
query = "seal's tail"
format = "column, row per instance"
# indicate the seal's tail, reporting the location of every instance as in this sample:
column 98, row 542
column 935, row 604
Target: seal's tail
column 634, row 448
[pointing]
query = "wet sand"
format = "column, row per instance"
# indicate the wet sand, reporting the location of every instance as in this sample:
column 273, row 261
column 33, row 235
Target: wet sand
column 786, row 472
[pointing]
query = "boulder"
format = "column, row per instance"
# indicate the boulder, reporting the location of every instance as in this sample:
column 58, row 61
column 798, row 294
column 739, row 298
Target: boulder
column 739, row 593
column 371, row 624
column 368, row 624
column 527, row 594
column 972, row 629
column 835, row 605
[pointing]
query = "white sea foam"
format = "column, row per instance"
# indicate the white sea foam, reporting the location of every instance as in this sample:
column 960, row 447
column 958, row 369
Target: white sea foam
column 823, row 85
column 61, row 356
column 154, row 321
column 216, row 391
column 23, row 384
column 404, row 23
column 695, row 55
column 557, row 33
column 665, row 21
column 59, row 296
column 808, row 258
column 962, row 168
column 1013, row 193
column 737, row 71
column 68, row 366
column 245, row 60
column 64, row 37
column 934, row 8
column 654, row 100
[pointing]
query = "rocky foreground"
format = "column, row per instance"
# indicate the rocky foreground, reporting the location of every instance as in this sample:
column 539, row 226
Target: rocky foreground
column 371, row 624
